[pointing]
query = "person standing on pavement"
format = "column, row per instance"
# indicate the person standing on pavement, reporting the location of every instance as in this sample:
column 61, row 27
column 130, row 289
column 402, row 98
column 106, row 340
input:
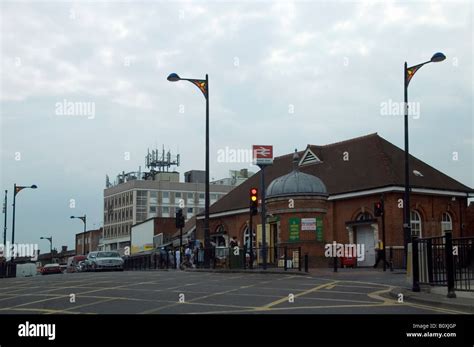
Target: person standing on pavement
column 178, row 257
column 380, row 250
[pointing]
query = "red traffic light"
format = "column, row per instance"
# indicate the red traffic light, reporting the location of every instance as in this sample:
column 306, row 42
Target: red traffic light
column 378, row 209
column 253, row 200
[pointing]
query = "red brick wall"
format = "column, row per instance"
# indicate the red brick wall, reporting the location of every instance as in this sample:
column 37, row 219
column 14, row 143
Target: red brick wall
column 341, row 211
column 469, row 222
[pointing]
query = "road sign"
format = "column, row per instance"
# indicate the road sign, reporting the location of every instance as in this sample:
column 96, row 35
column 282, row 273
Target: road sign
column 262, row 154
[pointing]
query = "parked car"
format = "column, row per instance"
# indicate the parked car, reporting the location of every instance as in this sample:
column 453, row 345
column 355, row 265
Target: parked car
column 51, row 269
column 74, row 263
column 104, row 260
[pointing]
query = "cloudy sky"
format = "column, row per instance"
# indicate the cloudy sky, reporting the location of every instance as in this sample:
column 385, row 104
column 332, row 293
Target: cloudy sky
column 281, row 73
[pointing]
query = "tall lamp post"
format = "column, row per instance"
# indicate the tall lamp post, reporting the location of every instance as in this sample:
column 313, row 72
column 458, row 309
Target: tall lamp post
column 50, row 239
column 84, row 219
column 408, row 73
column 5, row 221
column 16, row 190
column 203, row 86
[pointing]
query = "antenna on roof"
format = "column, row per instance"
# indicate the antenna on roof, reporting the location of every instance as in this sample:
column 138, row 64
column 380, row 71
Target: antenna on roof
column 162, row 163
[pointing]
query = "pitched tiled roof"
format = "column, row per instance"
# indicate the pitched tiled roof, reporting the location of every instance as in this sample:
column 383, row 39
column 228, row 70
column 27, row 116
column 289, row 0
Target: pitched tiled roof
column 373, row 162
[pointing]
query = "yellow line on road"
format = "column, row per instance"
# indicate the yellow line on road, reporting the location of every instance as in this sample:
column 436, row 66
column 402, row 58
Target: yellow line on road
column 392, row 302
column 68, row 310
column 285, row 298
column 198, row 298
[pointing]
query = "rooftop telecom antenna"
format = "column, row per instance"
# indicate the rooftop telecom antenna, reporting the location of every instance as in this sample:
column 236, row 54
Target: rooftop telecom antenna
column 160, row 162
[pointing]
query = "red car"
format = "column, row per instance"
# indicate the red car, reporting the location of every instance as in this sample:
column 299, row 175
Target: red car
column 51, row 269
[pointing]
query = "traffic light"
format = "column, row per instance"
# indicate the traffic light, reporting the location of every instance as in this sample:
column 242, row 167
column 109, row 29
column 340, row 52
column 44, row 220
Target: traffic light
column 378, row 208
column 179, row 218
column 253, row 201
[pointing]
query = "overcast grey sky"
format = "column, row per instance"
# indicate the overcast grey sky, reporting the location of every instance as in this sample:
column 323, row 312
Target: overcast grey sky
column 281, row 73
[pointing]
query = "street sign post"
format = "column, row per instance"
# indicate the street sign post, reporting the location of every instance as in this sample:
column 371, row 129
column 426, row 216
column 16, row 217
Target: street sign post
column 263, row 156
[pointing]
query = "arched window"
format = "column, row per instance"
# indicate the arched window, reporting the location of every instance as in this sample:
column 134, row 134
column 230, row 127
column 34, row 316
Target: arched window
column 446, row 223
column 220, row 239
column 364, row 216
column 415, row 223
column 246, row 238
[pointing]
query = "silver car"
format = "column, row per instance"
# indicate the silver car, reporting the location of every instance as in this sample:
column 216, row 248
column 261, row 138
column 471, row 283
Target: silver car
column 104, row 260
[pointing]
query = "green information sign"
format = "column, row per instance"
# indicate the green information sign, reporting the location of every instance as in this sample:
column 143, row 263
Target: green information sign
column 294, row 229
column 319, row 229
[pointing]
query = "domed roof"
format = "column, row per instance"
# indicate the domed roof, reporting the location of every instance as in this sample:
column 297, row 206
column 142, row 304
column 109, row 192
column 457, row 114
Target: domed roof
column 296, row 183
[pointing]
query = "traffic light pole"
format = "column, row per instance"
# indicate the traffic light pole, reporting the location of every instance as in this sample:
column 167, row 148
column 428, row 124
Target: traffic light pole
column 263, row 215
column 251, row 239
column 383, row 235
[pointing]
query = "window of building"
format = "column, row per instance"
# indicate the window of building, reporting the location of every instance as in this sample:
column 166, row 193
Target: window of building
column 165, row 211
column 141, row 205
column 446, row 223
column 165, row 197
column 201, row 198
column 177, row 198
column 152, row 212
column 190, row 212
column 416, row 223
column 153, row 198
column 364, row 216
column 246, row 239
column 213, row 198
column 191, row 198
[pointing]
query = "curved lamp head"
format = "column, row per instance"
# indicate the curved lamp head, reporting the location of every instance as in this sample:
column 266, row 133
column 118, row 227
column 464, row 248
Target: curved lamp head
column 72, row 217
column 34, row 186
column 173, row 77
column 437, row 57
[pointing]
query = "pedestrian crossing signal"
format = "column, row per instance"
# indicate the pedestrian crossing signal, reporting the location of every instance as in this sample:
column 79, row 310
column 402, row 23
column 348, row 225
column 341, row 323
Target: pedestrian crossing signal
column 253, row 201
column 378, row 209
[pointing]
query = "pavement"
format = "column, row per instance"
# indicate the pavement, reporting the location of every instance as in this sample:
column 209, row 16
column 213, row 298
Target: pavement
column 321, row 291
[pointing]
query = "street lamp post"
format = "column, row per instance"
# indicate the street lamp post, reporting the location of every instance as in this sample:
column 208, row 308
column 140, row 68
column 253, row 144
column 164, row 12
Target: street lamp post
column 203, row 86
column 84, row 220
column 408, row 73
column 50, row 239
column 16, row 190
column 5, row 209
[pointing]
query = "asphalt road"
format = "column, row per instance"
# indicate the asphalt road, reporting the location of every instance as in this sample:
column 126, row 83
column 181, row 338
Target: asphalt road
column 177, row 292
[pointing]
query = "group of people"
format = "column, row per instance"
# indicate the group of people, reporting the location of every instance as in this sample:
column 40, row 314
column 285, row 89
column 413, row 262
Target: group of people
column 178, row 258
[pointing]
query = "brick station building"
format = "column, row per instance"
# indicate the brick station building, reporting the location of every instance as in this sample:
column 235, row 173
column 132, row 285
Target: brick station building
column 327, row 193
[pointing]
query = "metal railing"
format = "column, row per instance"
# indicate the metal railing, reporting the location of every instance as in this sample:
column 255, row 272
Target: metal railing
column 286, row 258
column 7, row 269
column 463, row 255
column 447, row 261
